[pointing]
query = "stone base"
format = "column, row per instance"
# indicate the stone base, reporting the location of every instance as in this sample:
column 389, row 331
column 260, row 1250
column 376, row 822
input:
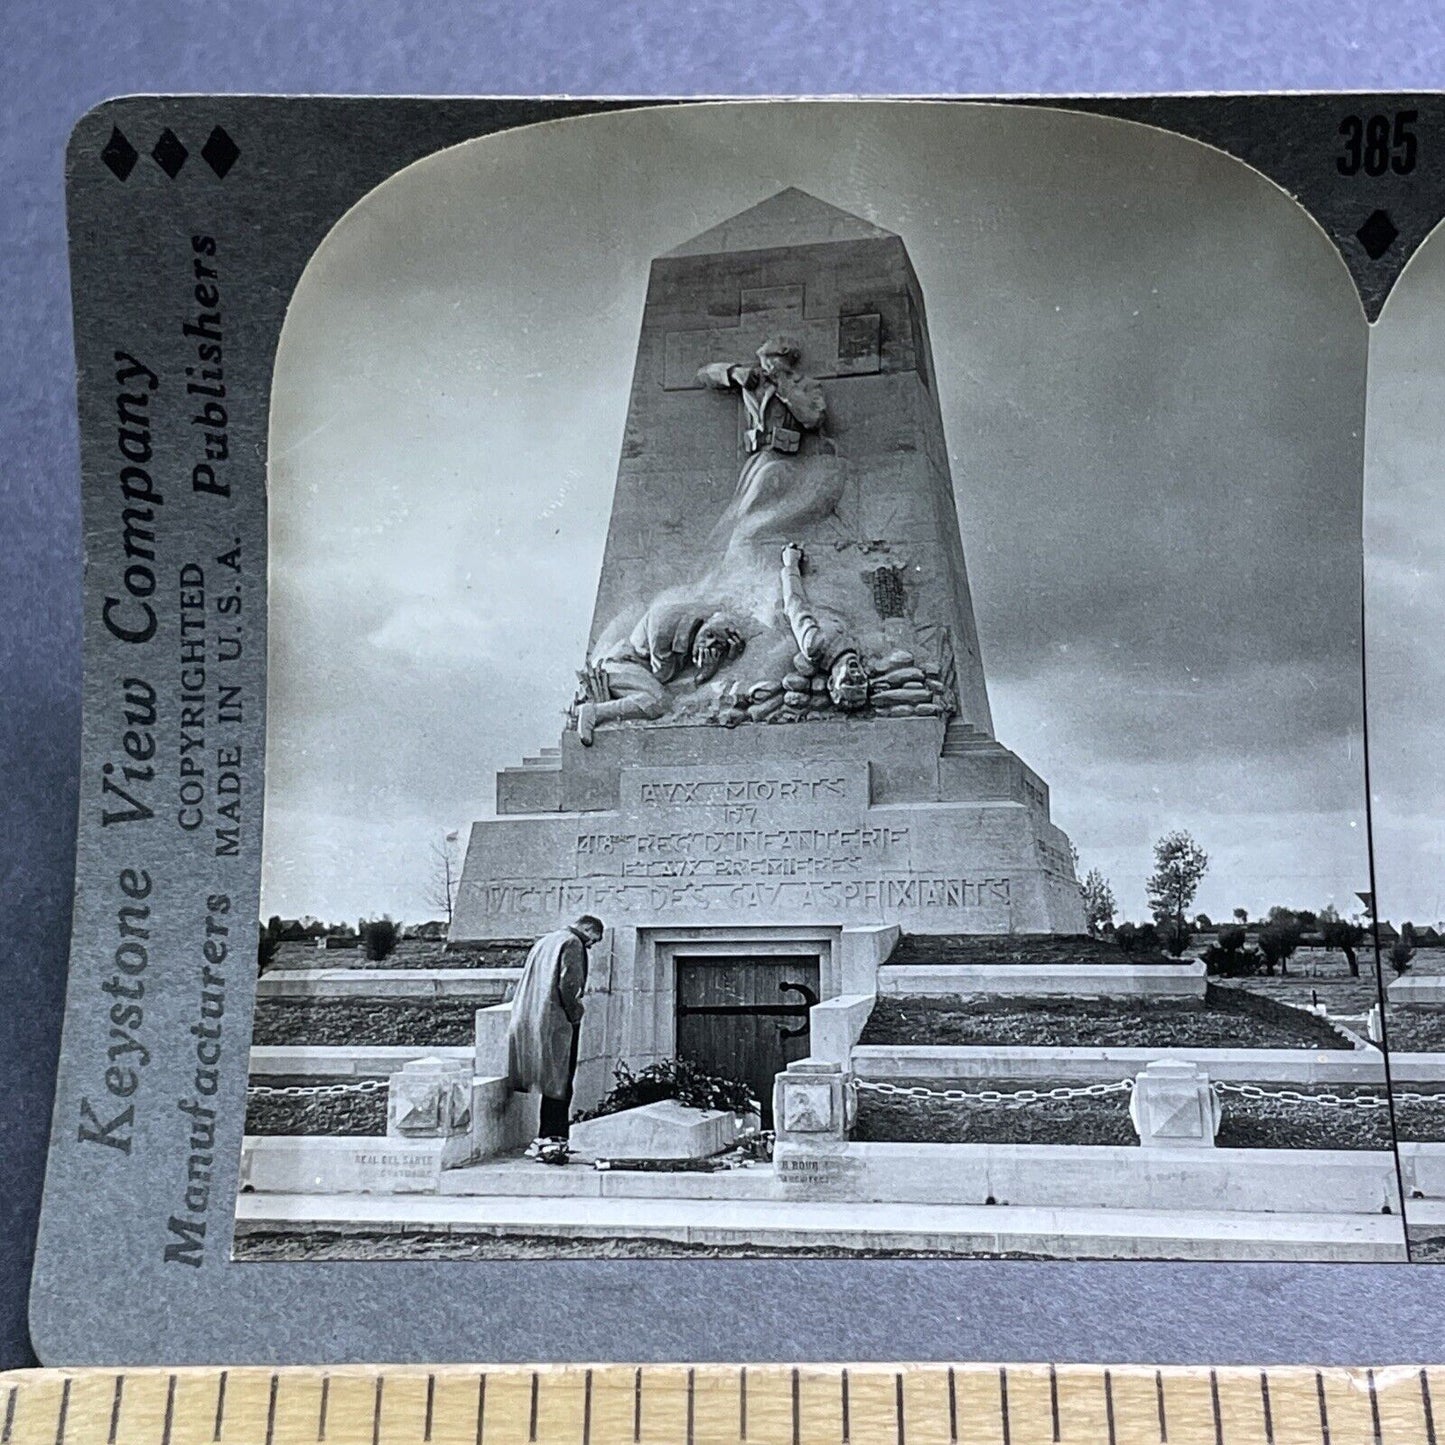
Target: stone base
column 881, row 821
column 664, row 1130
column 358, row 1164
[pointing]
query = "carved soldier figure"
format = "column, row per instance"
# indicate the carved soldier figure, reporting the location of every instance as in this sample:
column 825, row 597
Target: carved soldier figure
column 630, row 682
column 790, row 478
column 823, row 637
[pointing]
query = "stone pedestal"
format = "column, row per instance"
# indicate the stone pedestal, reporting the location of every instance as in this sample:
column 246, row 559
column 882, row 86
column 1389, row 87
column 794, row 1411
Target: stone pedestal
column 813, row 1108
column 430, row 1099
column 1173, row 1105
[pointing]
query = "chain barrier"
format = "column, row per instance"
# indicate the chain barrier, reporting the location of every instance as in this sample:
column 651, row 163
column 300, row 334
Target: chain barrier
column 1018, row 1098
column 1011, row 1098
column 1294, row 1096
column 314, row 1091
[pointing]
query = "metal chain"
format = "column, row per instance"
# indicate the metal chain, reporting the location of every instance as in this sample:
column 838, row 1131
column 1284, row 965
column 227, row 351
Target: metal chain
column 1008, row 1098
column 315, row 1091
column 1293, row 1096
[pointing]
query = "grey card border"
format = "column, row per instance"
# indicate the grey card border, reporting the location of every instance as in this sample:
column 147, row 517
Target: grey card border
column 102, row 1292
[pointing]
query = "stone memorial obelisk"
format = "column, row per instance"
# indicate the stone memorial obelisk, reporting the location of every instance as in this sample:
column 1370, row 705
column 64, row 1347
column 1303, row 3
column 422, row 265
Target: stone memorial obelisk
column 781, row 734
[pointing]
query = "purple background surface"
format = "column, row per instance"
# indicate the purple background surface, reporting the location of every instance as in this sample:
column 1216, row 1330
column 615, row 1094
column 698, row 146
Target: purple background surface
column 58, row 60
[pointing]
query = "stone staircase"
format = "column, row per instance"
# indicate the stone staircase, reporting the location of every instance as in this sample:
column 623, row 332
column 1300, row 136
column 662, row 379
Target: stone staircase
column 960, row 737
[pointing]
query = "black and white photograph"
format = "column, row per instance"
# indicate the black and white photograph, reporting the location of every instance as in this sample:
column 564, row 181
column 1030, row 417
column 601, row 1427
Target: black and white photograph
column 815, row 705
column 1404, row 611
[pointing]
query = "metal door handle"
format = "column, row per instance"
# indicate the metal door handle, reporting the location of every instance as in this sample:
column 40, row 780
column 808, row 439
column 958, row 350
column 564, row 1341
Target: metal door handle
column 809, row 999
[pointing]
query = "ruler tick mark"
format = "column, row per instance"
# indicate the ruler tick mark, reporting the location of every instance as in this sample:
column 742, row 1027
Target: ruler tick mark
column 1427, row 1407
column 847, row 1423
column 376, row 1411
column 636, row 1406
column 1374, row 1405
column 1108, row 1407
column 64, row 1412
column 431, row 1391
column 325, row 1401
column 532, row 1411
column 481, row 1405
column 271, row 1407
column 587, row 1408
column 953, row 1407
column 1159, row 1396
column 1053, row 1402
column 1003, row 1402
column 9, row 1415
column 797, row 1409
column 691, row 1402
column 170, row 1410
column 1268, row 1412
column 1214, row 1405
column 1324, row 1409
column 743, row 1404
column 220, row 1405
column 115, row 1410
column 898, row 1406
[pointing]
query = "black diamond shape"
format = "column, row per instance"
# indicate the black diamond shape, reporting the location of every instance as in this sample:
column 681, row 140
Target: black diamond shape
column 169, row 154
column 1377, row 235
column 219, row 151
column 119, row 154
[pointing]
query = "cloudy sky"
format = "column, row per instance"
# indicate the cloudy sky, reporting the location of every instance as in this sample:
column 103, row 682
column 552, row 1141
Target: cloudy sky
column 1151, row 370
column 1405, row 589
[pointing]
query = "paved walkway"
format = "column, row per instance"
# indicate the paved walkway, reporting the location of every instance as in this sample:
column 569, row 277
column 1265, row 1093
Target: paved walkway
column 963, row 1229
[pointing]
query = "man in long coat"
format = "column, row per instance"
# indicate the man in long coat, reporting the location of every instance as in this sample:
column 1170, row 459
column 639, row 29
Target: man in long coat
column 547, row 1019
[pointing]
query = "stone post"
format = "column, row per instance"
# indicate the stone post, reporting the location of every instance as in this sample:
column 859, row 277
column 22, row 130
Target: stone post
column 813, row 1109
column 1174, row 1105
column 430, row 1099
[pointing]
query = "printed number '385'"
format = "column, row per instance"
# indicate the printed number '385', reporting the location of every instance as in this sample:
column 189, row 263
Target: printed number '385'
column 1378, row 144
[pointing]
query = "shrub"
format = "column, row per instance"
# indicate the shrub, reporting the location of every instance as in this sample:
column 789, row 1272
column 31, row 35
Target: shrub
column 1232, row 963
column 379, row 938
column 1175, row 936
column 1137, row 937
column 1278, row 941
column 1400, row 955
column 679, row 1079
column 1227, row 957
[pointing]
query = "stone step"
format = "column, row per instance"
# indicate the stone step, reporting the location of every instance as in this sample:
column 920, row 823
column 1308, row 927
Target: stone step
column 548, row 759
column 978, row 1229
column 961, row 737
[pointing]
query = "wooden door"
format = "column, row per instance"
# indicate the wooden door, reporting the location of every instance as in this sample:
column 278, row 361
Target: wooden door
column 745, row 1017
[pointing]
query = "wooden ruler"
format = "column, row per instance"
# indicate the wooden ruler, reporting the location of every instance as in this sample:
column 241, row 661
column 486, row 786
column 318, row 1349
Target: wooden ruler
column 698, row 1405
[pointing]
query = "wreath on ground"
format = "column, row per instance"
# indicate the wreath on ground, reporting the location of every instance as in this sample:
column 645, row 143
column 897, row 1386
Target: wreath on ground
column 679, row 1079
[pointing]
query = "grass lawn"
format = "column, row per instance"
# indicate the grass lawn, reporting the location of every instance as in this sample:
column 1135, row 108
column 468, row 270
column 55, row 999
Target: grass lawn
column 1415, row 1030
column 409, row 953
column 1070, row 1022
column 1246, row 1124
column 335, row 1021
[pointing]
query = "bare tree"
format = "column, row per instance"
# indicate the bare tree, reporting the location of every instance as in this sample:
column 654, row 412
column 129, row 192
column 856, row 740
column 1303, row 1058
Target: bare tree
column 445, row 871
